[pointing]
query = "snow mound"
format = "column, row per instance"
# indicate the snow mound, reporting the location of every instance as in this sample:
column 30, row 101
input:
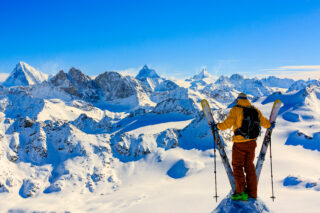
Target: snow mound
column 253, row 206
column 178, row 170
column 301, row 183
column 298, row 138
column 24, row 75
column 291, row 181
column 291, row 117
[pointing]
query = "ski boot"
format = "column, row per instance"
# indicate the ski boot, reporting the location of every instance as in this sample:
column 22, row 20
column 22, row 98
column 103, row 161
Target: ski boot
column 241, row 197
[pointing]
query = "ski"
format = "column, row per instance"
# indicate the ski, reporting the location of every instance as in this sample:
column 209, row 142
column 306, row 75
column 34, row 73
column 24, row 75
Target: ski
column 267, row 138
column 217, row 140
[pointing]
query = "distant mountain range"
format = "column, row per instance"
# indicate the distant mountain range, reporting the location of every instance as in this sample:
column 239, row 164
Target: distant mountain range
column 71, row 131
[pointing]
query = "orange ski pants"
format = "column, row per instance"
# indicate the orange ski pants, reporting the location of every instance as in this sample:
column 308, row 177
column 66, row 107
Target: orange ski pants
column 243, row 167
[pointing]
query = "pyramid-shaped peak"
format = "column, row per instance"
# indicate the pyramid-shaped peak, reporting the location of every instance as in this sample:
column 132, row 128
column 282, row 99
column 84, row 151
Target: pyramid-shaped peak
column 203, row 74
column 23, row 65
column 145, row 67
column 204, row 71
column 23, row 75
column 146, row 72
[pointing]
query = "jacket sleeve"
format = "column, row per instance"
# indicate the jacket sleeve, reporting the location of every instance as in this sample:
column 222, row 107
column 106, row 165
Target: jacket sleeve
column 228, row 123
column 263, row 120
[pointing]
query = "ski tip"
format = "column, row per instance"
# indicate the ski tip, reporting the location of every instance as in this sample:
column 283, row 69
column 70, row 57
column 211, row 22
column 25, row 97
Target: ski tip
column 277, row 101
column 204, row 102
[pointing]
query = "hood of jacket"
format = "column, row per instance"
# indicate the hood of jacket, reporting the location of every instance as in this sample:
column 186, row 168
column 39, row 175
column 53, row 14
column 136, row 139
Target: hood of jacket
column 244, row 103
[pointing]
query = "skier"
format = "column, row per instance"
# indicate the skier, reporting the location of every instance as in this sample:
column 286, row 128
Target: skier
column 243, row 149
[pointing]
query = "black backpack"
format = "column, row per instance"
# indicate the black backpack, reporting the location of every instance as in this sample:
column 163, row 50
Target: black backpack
column 250, row 127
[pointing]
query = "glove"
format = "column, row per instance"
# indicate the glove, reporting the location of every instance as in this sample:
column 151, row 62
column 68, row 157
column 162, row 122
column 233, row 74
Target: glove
column 273, row 124
column 214, row 127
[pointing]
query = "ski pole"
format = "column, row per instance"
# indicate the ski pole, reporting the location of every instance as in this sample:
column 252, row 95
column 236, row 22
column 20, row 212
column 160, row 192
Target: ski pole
column 215, row 164
column 272, row 197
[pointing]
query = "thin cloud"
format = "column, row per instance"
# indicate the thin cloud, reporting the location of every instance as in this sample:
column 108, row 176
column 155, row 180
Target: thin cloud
column 304, row 72
column 3, row 76
column 130, row 72
column 297, row 68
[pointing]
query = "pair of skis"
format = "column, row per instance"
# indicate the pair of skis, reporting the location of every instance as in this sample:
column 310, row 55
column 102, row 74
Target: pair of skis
column 217, row 141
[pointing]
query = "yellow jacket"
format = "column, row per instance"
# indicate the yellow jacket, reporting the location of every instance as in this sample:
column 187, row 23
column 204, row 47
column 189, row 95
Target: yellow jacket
column 234, row 120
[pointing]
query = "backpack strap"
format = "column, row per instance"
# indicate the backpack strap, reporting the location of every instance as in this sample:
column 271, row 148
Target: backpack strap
column 251, row 107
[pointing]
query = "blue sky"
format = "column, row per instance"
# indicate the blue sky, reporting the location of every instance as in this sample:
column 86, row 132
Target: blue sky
column 176, row 38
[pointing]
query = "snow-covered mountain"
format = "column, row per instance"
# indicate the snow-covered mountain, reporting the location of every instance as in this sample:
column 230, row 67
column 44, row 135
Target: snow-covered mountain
column 300, row 84
column 273, row 81
column 146, row 72
column 141, row 144
column 204, row 74
column 75, row 83
column 24, row 75
column 200, row 80
column 225, row 89
column 152, row 82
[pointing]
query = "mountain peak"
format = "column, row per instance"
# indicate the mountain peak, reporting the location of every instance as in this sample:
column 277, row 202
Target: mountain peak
column 146, row 72
column 236, row 77
column 23, row 66
column 203, row 74
column 24, row 75
column 145, row 67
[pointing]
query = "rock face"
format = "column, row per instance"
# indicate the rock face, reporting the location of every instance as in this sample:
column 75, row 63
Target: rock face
column 90, row 126
column 168, row 139
column 184, row 106
column 75, row 83
column 130, row 146
column 24, row 75
column 114, row 86
column 29, row 188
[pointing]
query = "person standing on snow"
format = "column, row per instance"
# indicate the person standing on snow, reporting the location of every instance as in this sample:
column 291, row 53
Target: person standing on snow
column 243, row 149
